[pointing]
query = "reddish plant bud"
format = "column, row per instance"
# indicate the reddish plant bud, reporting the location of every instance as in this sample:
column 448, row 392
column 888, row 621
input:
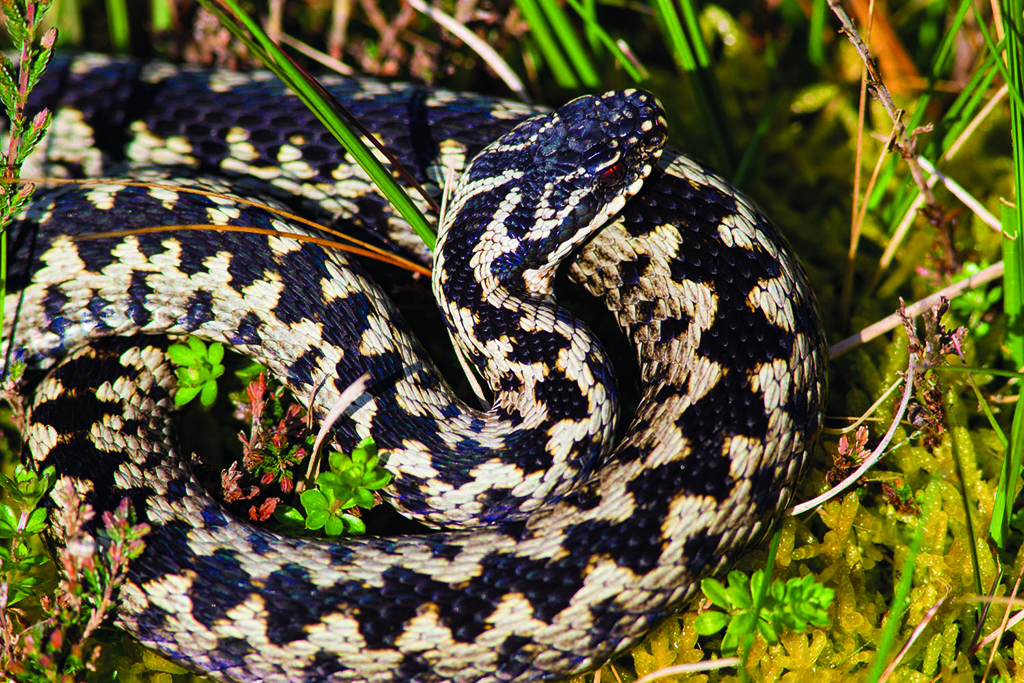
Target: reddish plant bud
column 41, row 119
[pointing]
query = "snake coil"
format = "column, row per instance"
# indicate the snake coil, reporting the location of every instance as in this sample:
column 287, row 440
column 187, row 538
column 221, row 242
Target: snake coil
column 556, row 553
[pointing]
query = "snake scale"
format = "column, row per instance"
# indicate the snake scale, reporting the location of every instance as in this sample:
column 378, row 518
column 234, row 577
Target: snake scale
column 553, row 551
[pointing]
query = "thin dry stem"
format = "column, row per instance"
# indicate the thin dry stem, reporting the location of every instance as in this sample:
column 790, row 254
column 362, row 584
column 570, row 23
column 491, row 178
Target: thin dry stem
column 486, row 52
column 855, row 218
column 876, row 455
column 1003, row 625
column 918, row 630
column 696, row 667
column 888, row 323
column 881, row 93
column 867, row 413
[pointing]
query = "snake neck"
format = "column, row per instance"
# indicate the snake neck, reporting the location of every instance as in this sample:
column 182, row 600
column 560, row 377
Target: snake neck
column 541, row 363
column 521, row 207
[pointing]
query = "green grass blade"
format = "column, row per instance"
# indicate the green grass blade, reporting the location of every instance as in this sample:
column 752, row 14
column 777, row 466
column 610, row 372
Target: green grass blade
column 1013, row 281
column 764, row 125
column 1013, row 221
column 691, row 55
column 632, row 66
column 816, row 33
column 900, row 601
column 248, row 31
column 160, row 15
column 541, row 33
column 694, row 34
column 996, row 51
column 999, row 527
column 674, row 34
column 572, row 45
column 117, row 21
column 1013, row 274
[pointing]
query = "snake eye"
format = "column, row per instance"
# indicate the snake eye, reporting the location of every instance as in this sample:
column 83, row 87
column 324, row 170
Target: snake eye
column 613, row 174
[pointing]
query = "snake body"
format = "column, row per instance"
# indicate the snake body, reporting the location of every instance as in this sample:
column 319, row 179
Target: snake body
column 556, row 552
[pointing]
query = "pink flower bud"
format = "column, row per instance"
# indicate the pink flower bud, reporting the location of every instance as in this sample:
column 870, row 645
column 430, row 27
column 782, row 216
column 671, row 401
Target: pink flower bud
column 41, row 119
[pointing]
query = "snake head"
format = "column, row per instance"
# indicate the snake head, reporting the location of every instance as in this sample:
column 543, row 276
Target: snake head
column 536, row 193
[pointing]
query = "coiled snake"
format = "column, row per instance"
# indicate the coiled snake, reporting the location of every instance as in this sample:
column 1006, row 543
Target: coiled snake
column 557, row 550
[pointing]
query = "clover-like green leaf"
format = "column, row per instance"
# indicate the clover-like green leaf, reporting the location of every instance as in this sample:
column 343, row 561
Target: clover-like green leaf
column 185, row 394
column 710, row 623
column 715, row 592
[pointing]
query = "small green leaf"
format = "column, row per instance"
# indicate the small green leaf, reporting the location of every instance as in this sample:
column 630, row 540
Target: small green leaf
column 767, row 632
column 190, row 376
column 9, row 518
column 362, row 498
column 335, row 526
column 356, row 526
column 215, row 354
column 710, row 623
column 250, row 372
column 197, row 346
column 313, row 500
column 289, row 516
column 378, row 480
column 209, row 393
column 738, row 592
column 36, row 521
column 185, row 394
column 182, row 355
column 715, row 592
column 316, row 519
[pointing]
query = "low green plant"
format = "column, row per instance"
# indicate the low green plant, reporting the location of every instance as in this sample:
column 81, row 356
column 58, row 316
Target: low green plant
column 974, row 305
column 201, row 366
column 55, row 647
column 24, row 21
column 789, row 605
column 21, row 518
column 349, row 484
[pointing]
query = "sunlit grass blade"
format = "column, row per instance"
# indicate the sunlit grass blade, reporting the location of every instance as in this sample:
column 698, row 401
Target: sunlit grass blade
column 999, row 527
column 117, row 21
column 572, row 45
column 816, row 33
column 691, row 55
column 1013, row 220
column 541, row 33
column 633, row 67
column 249, row 32
column 1013, row 281
column 160, row 15
column 900, row 601
column 1013, row 277
column 1007, row 70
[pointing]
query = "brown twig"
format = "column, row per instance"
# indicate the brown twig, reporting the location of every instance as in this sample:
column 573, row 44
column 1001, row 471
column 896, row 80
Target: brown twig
column 881, row 93
column 993, row 272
